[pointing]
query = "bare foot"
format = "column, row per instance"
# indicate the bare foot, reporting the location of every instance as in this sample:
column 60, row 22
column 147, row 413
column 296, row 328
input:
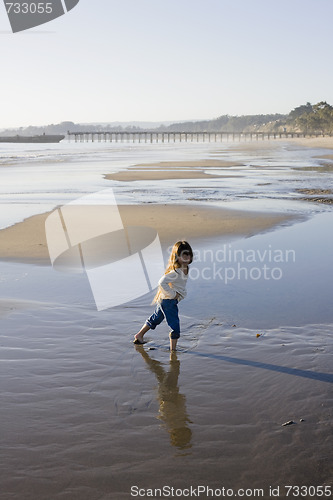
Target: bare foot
column 138, row 338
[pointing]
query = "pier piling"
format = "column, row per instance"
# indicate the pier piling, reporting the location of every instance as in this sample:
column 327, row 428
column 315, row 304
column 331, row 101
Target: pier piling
column 185, row 136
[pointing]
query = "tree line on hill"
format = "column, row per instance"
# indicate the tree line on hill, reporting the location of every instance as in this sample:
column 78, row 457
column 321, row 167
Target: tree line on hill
column 308, row 118
column 317, row 118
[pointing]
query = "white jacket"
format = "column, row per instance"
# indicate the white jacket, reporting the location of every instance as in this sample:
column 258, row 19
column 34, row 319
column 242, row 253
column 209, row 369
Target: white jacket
column 172, row 283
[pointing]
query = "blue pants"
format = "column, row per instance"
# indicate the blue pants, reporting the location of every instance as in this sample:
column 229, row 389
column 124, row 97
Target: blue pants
column 168, row 309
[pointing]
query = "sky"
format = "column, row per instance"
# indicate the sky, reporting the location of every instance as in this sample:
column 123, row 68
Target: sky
column 167, row 60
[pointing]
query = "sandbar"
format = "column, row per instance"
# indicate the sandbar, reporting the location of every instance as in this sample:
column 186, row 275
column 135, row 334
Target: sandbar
column 196, row 169
column 26, row 241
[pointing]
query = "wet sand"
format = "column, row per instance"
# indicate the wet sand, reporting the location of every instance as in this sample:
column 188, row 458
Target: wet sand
column 317, row 195
column 86, row 415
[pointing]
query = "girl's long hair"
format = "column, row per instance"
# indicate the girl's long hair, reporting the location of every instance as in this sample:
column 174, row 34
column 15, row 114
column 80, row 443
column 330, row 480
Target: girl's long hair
column 173, row 263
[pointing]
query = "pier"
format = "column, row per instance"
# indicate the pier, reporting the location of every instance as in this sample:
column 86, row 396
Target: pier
column 161, row 137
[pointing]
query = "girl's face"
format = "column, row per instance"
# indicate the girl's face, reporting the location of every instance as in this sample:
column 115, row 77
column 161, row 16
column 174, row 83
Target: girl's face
column 184, row 258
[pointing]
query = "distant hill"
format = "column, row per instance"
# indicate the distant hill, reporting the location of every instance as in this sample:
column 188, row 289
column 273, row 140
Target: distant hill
column 64, row 127
column 308, row 118
column 226, row 123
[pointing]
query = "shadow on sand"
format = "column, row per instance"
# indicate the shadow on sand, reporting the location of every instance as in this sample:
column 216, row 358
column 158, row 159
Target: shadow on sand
column 320, row 376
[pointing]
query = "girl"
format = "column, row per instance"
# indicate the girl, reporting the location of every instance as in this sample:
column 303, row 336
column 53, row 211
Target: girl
column 171, row 289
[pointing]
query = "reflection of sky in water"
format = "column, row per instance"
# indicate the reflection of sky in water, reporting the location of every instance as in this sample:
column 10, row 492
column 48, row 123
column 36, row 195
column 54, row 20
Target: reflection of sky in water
column 301, row 292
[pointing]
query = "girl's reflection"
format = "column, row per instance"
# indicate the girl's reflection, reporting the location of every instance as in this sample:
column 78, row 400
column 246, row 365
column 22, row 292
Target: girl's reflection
column 172, row 410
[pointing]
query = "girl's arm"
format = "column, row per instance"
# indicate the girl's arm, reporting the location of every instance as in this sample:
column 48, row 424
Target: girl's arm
column 164, row 284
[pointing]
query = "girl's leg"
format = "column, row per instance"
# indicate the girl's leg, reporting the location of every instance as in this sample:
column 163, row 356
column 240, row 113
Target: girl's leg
column 155, row 319
column 173, row 344
column 140, row 334
column 170, row 311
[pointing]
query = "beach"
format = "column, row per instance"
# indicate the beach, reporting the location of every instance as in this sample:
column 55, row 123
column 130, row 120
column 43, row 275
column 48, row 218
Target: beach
column 86, row 414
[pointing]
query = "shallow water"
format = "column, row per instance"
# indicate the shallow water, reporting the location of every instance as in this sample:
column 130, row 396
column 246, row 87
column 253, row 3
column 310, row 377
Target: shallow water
column 283, row 277
column 37, row 178
column 86, row 415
